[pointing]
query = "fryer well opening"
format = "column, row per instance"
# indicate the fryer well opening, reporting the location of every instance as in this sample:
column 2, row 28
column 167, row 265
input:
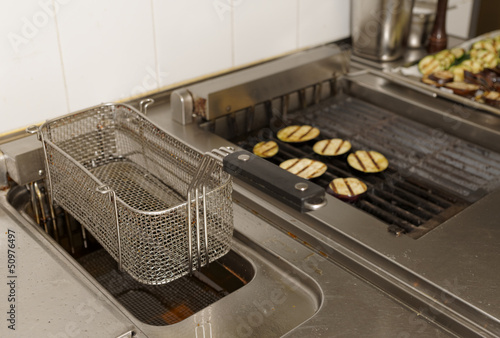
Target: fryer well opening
column 157, row 305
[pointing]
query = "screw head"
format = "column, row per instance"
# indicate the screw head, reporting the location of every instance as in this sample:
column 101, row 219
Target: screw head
column 301, row 186
column 243, row 157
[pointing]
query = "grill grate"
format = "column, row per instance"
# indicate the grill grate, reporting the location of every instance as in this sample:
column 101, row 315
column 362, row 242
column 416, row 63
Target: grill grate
column 431, row 177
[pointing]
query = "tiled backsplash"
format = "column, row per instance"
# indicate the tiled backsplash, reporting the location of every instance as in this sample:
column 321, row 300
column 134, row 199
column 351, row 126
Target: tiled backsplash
column 60, row 56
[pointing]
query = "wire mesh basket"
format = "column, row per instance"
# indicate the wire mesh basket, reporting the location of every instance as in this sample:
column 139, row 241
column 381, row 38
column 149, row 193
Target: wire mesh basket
column 131, row 185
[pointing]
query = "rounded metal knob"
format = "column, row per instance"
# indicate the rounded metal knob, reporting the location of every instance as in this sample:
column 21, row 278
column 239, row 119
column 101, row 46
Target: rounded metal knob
column 301, row 186
column 243, row 157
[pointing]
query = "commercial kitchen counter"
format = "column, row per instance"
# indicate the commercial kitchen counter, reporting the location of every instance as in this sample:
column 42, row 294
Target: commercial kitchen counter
column 52, row 296
column 334, row 272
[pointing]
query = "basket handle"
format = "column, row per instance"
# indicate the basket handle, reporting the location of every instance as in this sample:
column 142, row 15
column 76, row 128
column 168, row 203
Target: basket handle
column 34, row 129
column 288, row 188
column 143, row 105
column 106, row 189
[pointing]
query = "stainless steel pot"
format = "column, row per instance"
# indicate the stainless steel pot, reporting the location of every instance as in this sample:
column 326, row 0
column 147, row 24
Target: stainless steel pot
column 421, row 25
column 380, row 28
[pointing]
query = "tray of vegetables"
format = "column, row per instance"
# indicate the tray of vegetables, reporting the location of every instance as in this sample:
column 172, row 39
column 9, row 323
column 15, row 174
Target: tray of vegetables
column 468, row 73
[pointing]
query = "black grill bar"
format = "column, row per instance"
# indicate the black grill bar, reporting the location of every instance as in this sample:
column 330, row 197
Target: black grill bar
column 416, row 209
column 435, row 203
column 397, row 225
column 389, row 204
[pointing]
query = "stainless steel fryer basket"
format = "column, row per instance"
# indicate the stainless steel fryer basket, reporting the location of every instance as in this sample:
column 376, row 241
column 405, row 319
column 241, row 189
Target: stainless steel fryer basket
column 128, row 181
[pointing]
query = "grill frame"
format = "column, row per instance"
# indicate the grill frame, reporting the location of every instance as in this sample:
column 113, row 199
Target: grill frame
column 446, row 201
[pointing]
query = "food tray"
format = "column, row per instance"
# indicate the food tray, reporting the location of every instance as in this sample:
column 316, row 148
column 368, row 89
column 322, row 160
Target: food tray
column 127, row 181
column 411, row 76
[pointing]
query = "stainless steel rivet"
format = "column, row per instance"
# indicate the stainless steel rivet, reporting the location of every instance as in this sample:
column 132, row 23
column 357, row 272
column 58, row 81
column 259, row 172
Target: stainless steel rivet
column 243, row 157
column 301, row 186
column 40, row 172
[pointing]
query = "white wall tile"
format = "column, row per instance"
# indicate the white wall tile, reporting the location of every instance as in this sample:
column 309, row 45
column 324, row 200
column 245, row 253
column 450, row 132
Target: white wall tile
column 31, row 81
column 458, row 17
column 102, row 51
column 322, row 21
column 108, row 50
column 193, row 38
column 263, row 29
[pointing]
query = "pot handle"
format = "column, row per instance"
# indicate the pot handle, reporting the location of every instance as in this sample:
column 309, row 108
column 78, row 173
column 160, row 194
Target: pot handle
column 288, row 188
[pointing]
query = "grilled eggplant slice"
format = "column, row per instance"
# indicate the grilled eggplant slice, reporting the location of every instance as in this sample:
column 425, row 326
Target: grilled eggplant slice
column 304, row 167
column 294, row 134
column 463, row 88
column 425, row 79
column 266, row 149
column 485, row 79
column 332, row 147
column 495, row 70
column 368, row 161
column 441, row 77
column 492, row 98
column 347, row 189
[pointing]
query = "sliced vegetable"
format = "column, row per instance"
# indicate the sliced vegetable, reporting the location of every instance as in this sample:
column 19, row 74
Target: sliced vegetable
column 368, row 161
column 467, row 73
column 487, row 44
column 458, row 72
column 496, row 39
column 425, row 79
column 266, row 149
column 304, row 167
column 492, row 98
column 458, row 52
column 462, row 88
column 472, row 66
column 445, row 58
column 429, row 64
column 332, row 147
column 441, row 76
column 296, row 133
column 347, row 189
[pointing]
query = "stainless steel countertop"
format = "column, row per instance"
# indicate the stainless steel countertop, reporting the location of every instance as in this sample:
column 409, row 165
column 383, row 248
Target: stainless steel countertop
column 54, row 297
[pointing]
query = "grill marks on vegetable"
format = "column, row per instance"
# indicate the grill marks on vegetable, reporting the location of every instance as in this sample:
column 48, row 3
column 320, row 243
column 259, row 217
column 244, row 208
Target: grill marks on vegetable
column 474, row 73
column 270, row 150
column 304, row 167
column 298, row 133
column 303, row 136
column 368, row 161
column 347, row 187
column 266, row 149
column 332, row 147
